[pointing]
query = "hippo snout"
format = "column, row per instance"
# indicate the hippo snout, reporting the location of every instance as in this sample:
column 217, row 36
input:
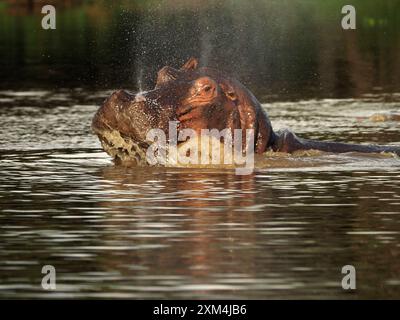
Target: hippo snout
column 124, row 120
column 129, row 114
column 107, row 116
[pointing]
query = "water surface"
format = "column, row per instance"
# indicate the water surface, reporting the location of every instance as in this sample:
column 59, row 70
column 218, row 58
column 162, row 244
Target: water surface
column 281, row 232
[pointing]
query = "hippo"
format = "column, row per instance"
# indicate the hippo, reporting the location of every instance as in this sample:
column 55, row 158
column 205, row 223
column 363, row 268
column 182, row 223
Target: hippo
column 198, row 98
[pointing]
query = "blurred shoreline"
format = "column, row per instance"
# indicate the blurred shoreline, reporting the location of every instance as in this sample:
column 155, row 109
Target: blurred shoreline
column 296, row 50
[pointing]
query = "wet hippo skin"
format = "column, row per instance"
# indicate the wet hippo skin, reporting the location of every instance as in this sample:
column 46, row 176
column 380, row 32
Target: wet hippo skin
column 200, row 98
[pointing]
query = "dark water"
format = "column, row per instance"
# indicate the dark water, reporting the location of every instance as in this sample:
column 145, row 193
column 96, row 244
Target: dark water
column 188, row 233
column 288, row 48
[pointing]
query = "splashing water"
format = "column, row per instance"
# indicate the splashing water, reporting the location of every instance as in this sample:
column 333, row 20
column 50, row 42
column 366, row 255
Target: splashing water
column 139, row 80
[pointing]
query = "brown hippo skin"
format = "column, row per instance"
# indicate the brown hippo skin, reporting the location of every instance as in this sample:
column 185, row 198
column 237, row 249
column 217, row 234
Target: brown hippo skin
column 199, row 98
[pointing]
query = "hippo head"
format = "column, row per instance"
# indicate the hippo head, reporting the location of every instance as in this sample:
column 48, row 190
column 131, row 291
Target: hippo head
column 196, row 98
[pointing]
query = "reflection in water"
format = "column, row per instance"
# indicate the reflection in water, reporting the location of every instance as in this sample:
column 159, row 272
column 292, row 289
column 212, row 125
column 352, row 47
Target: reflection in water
column 112, row 231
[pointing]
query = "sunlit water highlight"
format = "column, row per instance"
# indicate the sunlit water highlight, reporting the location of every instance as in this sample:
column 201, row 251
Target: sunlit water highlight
column 284, row 231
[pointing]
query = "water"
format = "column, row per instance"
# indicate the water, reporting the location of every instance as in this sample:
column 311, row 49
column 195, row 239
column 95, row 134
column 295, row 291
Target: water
column 283, row 232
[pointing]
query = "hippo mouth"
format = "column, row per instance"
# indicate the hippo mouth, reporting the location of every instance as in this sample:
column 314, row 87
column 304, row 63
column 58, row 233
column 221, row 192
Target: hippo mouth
column 125, row 150
column 122, row 149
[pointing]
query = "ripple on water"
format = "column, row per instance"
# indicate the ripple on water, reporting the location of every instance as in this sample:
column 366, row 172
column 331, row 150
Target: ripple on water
column 284, row 231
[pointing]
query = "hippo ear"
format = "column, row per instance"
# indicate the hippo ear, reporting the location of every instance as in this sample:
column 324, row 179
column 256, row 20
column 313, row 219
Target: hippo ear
column 191, row 64
column 166, row 74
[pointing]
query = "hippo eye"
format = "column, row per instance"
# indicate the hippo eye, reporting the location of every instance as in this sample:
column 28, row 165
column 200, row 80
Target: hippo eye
column 207, row 88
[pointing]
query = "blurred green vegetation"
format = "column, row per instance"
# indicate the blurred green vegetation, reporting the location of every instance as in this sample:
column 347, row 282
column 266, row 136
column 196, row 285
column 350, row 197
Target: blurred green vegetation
column 286, row 47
